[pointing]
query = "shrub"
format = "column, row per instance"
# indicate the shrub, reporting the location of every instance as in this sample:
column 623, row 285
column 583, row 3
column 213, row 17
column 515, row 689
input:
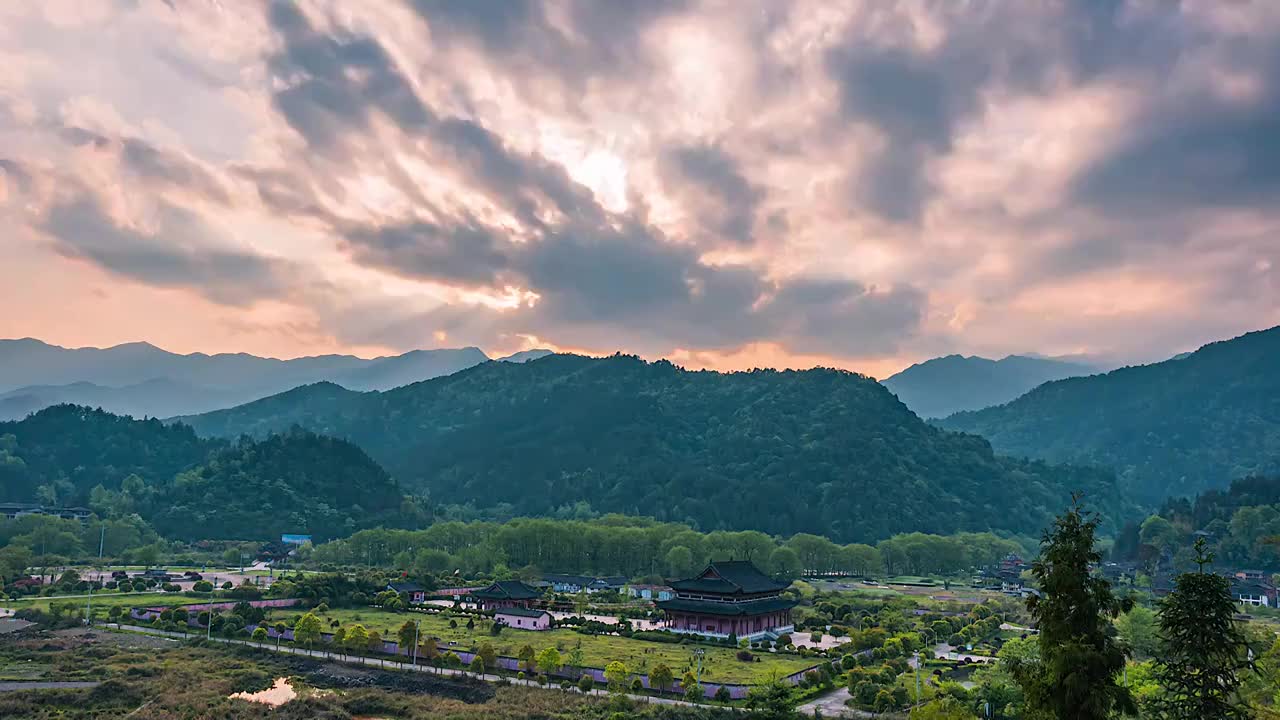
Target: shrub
column 586, row 683
column 745, row 655
column 722, row 694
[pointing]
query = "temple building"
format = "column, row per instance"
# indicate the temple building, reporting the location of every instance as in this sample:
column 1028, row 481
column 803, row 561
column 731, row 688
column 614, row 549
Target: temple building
column 729, row 598
column 506, row 594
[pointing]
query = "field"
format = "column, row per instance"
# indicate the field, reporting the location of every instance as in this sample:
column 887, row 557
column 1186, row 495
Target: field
column 103, row 600
column 144, row 681
column 719, row 663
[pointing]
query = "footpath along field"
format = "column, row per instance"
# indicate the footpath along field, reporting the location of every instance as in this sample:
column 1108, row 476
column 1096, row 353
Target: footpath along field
column 719, row 663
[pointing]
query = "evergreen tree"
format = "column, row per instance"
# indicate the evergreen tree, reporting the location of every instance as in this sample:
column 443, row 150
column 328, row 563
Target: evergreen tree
column 1080, row 655
column 1204, row 649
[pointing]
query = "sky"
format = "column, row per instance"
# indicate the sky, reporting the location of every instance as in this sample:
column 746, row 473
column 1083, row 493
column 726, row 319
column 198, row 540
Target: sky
column 725, row 183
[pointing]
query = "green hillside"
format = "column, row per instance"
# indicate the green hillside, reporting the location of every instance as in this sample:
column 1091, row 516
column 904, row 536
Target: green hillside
column 1172, row 428
column 820, row 450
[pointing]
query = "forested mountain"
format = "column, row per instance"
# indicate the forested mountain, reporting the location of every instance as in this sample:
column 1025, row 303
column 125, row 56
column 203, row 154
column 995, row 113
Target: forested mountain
column 142, row 380
column 818, row 450
column 946, row 385
column 1173, row 428
column 189, row 487
column 58, row 455
column 1241, row 524
column 297, row 482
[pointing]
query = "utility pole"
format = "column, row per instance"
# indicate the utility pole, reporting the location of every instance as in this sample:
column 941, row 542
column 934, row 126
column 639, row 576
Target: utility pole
column 917, row 655
column 88, row 607
column 417, row 624
column 102, row 538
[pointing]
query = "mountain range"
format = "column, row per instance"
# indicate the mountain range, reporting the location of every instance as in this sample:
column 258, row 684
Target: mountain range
column 142, row 380
column 780, row 452
column 947, row 385
column 1173, row 428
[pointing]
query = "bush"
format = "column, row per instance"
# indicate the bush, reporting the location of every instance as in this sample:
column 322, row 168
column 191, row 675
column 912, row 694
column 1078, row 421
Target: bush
column 722, row 694
column 586, row 683
column 745, row 655
column 203, row 586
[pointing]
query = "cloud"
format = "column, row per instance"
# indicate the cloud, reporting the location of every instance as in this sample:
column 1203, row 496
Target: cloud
column 723, row 200
column 178, row 250
column 858, row 183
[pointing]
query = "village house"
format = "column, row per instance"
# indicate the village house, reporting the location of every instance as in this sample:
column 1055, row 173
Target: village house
column 412, row 592
column 1259, row 593
column 573, row 584
column 650, row 592
column 729, row 598
column 523, row 619
column 506, row 594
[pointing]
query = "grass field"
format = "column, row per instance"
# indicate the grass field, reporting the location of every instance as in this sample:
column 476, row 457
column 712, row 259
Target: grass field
column 104, row 600
column 719, row 663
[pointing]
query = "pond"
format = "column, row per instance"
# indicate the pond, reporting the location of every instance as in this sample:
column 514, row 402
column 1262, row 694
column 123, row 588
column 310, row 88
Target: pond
column 279, row 693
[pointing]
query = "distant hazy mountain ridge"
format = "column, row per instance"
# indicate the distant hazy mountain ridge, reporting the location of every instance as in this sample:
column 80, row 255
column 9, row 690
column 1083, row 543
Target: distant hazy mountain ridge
column 140, row 379
column 946, row 385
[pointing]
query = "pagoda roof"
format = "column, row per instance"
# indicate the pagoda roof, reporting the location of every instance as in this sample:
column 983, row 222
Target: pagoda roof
column 733, row 577
column 709, row 607
column 507, row 590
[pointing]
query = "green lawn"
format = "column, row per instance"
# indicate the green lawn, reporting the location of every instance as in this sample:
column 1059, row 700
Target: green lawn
column 719, row 663
column 106, row 599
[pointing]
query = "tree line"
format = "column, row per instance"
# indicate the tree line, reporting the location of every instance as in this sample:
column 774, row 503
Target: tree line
column 642, row 547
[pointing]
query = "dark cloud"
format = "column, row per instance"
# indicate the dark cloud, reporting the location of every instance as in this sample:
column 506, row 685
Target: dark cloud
column 1198, row 151
column 466, row 253
column 844, row 317
column 713, row 175
column 915, row 101
column 179, row 252
column 334, row 82
column 590, row 38
column 167, row 168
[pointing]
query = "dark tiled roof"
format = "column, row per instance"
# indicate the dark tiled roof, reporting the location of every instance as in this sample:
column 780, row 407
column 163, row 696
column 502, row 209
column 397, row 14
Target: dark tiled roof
column 406, row 587
column 734, row 577
column 507, row 590
column 706, row 607
column 522, row 612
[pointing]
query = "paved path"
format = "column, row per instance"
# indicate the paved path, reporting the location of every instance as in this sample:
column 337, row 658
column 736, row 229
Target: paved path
column 43, row 685
column 832, row 705
column 384, row 663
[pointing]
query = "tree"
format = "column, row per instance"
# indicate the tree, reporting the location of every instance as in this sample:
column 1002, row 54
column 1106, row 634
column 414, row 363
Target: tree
column 722, row 694
column 259, row 635
column 477, row 665
column 1204, row 650
column 356, row 638
column 1138, row 630
column 679, row 561
column 661, row 677
column 615, row 674
column 307, row 630
column 1080, row 656
column 785, row 562
column 575, row 659
column 586, row 683
column 943, row 708
column 527, row 658
column 549, row 660
column 488, row 655
column 406, row 636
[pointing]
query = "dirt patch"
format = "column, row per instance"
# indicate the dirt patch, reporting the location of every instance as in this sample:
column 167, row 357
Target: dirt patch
column 10, row 625
column 80, row 636
column 333, row 675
